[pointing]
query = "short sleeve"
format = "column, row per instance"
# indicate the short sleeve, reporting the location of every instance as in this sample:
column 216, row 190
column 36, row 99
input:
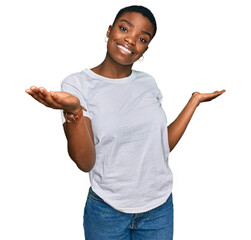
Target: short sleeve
column 159, row 95
column 75, row 85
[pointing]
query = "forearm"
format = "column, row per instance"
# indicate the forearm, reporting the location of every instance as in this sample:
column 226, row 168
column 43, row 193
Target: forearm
column 179, row 125
column 81, row 148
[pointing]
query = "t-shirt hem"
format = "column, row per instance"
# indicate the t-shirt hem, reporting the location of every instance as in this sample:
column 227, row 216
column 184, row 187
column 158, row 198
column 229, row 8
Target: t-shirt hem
column 137, row 210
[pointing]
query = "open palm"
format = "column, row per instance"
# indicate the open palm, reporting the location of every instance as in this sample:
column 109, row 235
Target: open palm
column 56, row 100
column 205, row 97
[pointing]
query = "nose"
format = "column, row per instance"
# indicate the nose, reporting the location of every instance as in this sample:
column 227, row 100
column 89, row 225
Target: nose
column 130, row 40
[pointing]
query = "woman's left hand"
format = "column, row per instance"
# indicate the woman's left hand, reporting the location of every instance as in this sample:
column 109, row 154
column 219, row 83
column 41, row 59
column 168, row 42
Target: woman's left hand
column 205, row 97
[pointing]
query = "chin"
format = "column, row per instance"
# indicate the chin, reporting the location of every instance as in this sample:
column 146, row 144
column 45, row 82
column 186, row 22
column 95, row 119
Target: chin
column 120, row 58
column 123, row 61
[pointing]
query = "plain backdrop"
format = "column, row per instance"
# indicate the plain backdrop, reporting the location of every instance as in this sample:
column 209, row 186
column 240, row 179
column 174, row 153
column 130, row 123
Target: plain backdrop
column 200, row 46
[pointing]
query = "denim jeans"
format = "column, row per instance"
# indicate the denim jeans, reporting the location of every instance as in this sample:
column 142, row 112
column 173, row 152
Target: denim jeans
column 102, row 222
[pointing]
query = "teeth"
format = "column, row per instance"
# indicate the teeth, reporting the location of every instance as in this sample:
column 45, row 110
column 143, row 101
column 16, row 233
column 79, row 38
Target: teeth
column 125, row 49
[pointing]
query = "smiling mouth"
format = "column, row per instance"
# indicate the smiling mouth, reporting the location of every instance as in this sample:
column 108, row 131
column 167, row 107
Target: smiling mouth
column 125, row 49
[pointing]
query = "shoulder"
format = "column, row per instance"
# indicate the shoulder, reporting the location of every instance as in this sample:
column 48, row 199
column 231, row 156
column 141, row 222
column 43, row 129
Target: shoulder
column 76, row 83
column 146, row 77
column 78, row 80
column 142, row 74
column 74, row 78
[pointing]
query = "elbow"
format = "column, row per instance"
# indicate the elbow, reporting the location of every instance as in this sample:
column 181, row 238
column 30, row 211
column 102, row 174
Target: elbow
column 171, row 147
column 84, row 167
column 85, row 163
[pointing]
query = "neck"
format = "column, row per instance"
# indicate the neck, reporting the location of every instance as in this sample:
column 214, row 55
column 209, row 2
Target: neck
column 111, row 69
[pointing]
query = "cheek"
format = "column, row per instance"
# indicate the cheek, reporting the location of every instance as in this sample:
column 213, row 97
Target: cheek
column 111, row 47
column 142, row 49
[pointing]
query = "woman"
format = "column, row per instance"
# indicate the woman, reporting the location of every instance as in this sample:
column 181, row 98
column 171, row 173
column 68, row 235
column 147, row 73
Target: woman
column 121, row 137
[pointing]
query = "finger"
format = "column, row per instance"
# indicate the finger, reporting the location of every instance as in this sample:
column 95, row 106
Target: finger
column 36, row 97
column 213, row 95
column 37, row 91
column 49, row 100
column 84, row 108
column 34, row 89
column 218, row 93
column 56, row 98
column 41, row 92
column 222, row 91
column 28, row 91
column 42, row 96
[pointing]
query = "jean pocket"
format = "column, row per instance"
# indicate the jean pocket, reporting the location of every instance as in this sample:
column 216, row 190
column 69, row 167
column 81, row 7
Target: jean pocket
column 94, row 196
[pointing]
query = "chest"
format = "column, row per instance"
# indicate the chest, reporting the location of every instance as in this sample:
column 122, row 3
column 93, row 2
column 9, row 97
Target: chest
column 128, row 109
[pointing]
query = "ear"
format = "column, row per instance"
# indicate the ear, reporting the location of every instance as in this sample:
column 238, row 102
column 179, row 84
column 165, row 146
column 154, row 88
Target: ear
column 109, row 31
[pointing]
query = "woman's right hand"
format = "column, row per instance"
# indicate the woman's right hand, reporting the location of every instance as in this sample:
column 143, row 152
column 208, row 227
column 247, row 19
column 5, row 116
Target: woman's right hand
column 56, row 100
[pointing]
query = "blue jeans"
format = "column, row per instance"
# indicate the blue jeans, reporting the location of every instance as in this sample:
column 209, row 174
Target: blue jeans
column 102, row 222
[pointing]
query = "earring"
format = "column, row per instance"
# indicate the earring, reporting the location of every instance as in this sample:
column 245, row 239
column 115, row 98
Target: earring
column 141, row 58
column 106, row 39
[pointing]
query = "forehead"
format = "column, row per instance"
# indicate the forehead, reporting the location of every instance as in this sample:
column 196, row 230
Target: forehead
column 138, row 20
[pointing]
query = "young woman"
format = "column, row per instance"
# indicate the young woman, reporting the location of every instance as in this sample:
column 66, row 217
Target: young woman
column 121, row 138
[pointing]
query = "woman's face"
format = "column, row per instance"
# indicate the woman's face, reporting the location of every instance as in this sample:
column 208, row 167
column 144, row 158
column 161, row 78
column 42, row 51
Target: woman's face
column 129, row 38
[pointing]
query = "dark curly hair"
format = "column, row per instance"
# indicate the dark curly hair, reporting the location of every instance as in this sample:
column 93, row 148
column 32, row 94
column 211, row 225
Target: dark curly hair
column 140, row 9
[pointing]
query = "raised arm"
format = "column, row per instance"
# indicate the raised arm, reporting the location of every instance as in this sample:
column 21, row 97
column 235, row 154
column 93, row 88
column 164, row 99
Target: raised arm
column 179, row 125
column 79, row 134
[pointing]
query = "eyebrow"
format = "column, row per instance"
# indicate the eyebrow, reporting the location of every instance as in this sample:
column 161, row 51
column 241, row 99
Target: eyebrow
column 124, row 20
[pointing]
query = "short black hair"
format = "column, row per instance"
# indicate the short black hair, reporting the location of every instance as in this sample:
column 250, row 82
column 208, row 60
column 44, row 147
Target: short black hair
column 140, row 9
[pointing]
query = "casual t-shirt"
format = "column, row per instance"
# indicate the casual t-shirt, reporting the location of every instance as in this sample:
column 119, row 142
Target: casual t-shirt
column 131, row 171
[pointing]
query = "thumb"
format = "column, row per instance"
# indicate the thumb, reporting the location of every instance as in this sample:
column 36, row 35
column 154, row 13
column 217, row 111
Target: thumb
column 54, row 96
column 84, row 108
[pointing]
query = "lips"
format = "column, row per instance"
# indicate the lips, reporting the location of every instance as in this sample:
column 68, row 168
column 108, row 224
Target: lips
column 125, row 49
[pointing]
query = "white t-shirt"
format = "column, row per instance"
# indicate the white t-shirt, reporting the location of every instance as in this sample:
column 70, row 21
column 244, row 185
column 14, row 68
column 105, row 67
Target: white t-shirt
column 129, row 125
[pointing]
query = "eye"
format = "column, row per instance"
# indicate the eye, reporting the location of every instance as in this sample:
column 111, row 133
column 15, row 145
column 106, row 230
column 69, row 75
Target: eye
column 123, row 28
column 143, row 40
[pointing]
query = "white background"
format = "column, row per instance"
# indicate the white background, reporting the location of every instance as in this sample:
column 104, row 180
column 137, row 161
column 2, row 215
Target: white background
column 200, row 46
